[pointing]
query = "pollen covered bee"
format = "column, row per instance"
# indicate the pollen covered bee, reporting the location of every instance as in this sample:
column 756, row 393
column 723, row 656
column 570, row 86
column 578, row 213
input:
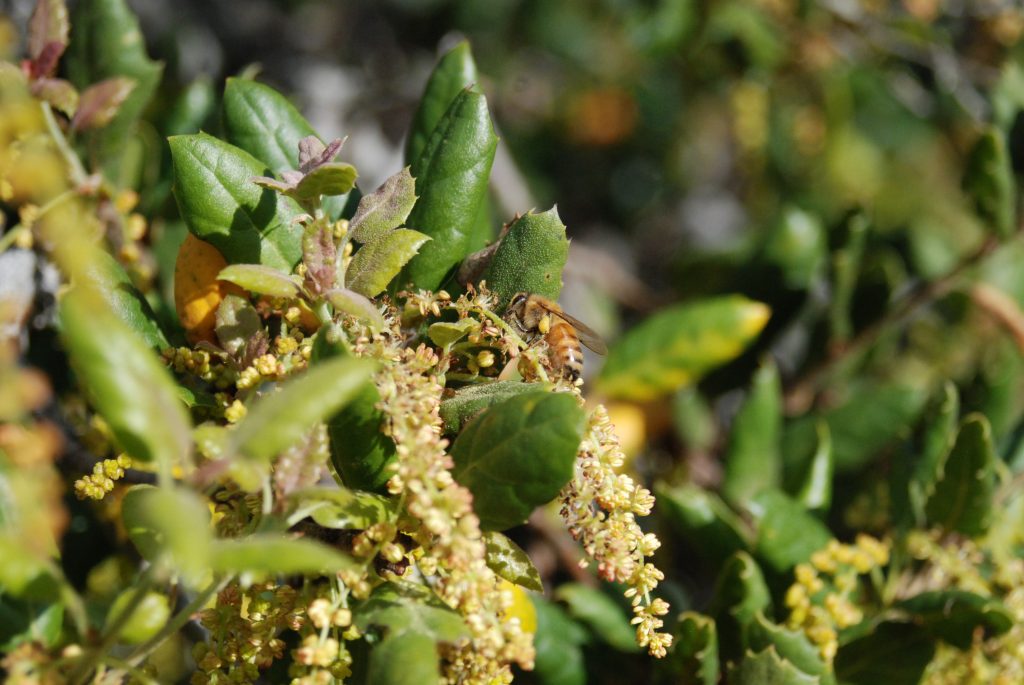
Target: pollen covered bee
column 536, row 315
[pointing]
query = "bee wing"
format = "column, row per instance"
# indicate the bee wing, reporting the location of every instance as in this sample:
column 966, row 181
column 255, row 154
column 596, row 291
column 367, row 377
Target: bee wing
column 585, row 333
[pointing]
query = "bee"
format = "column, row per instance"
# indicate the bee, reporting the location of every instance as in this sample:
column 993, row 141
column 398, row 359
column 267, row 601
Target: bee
column 537, row 315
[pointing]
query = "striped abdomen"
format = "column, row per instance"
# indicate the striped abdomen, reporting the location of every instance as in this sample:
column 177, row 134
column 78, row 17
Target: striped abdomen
column 566, row 352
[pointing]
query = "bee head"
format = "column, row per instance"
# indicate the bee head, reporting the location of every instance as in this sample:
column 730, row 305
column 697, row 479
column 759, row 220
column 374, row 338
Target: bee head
column 516, row 307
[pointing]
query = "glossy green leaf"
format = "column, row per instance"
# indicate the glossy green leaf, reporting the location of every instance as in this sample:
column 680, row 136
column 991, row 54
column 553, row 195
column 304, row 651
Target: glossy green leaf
column 938, row 434
column 451, row 181
column 408, row 657
column 343, row 509
column 786, row 534
column 894, row 653
column 559, row 659
column 600, row 613
column 278, row 420
column 693, row 659
column 379, row 261
column 171, row 523
column 123, row 299
column 704, row 521
column 262, row 280
column 962, row 500
column 768, row 668
column 989, row 182
column 791, row 645
column 518, row 455
column 815, row 494
column 530, row 258
column 467, row 402
column 107, row 43
column 955, row 615
column 274, row 553
column 753, row 462
column 221, row 204
column 356, row 305
column 678, row 345
column 384, row 209
column 453, row 73
column 447, row 333
column 361, row 453
column 509, row 561
column 128, row 386
column 399, row 606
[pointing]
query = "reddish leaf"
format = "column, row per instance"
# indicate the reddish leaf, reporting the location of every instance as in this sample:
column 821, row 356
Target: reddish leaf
column 100, row 102
column 48, row 32
column 58, row 92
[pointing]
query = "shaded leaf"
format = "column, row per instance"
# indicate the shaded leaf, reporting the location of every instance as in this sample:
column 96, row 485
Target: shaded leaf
column 262, row 280
column 962, row 501
column 740, row 595
column 815, row 494
column 22, row 622
column 221, row 206
column 797, row 246
column 279, row 420
column 238, row 323
column 753, row 462
column 955, row 615
column 128, row 386
column 938, row 436
column 168, row 523
column 509, row 561
column 400, row 606
column 559, row 659
column 530, row 258
column 518, row 455
column 988, row 181
column 693, row 659
column 704, row 520
column 601, row 614
column 767, row 668
column 467, row 402
column 123, row 299
column 453, row 73
column 451, row 181
column 894, row 653
column 379, row 261
column 385, row 208
column 678, row 345
column 273, row 553
column 408, row 657
column 786, row 533
column 791, row 645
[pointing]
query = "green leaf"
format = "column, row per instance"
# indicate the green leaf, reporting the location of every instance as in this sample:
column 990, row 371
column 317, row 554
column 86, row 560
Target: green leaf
column 128, row 386
column 559, row 659
column 678, row 345
column 279, row 420
column 123, row 299
column 451, row 181
column 358, row 306
column 600, row 613
column 955, row 615
column 262, row 280
column 962, row 501
column 518, row 455
column 221, row 204
column 740, row 593
column 171, row 523
column 343, row 509
column 361, row 453
column 753, row 462
column 333, row 178
column 530, row 258
column 509, row 561
column 24, row 574
column 273, row 553
column 768, row 668
column 797, row 246
column 787, row 534
column 108, row 43
column 379, row 261
column 408, row 657
column 400, row 606
column 191, row 108
column 704, row 521
column 791, row 645
column 937, row 439
column 989, row 182
column 27, row 621
column 467, row 402
column 894, row 654
column 815, row 494
column 384, row 209
column 146, row 619
column 455, row 71
column 445, row 334
column 693, row 659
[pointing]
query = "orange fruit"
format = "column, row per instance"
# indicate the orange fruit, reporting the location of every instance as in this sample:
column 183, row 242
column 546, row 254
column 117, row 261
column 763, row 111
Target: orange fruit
column 197, row 292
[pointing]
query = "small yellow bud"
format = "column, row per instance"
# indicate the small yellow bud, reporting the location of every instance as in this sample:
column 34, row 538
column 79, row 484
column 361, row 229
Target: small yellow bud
column 485, row 358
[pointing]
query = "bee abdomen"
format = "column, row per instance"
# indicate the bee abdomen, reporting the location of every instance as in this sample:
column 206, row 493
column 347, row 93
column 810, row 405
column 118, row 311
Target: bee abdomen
column 565, row 350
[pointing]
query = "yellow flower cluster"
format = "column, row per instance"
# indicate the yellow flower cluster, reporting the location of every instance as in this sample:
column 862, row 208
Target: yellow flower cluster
column 101, row 481
column 449, row 531
column 600, row 507
column 823, row 600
